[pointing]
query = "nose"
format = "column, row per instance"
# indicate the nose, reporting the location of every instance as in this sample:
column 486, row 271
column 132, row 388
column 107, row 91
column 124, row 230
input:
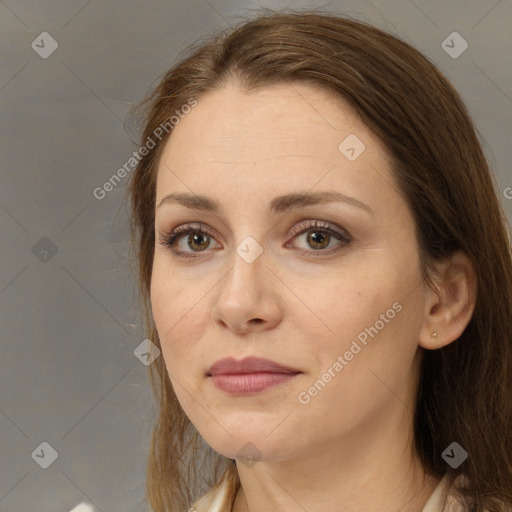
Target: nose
column 247, row 296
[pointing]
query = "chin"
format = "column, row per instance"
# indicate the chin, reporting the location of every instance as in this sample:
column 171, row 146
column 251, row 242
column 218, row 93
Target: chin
column 247, row 447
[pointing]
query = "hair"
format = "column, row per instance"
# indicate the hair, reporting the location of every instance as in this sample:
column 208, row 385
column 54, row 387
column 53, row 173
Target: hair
column 465, row 388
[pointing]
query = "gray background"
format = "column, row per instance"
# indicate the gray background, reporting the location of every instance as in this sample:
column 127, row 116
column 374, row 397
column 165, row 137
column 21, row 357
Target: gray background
column 70, row 321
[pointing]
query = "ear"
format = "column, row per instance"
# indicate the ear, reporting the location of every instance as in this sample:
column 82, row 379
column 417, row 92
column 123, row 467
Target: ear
column 449, row 311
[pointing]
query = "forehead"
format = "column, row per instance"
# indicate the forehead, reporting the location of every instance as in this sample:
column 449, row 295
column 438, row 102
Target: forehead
column 274, row 137
column 293, row 113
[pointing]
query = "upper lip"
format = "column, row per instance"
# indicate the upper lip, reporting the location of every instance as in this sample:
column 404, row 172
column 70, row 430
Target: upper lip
column 230, row 365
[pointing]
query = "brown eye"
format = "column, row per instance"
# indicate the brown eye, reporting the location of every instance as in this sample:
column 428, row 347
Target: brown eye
column 319, row 236
column 198, row 240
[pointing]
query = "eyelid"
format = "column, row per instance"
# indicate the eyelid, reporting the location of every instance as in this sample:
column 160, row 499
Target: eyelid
column 298, row 228
column 320, row 225
column 183, row 229
column 170, row 238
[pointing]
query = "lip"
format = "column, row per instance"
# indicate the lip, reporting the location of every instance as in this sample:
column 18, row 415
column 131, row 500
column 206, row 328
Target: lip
column 249, row 375
column 249, row 383
column 251, row 364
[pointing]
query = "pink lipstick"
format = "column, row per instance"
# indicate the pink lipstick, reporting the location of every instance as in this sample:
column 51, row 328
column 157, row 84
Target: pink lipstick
column 249, row 375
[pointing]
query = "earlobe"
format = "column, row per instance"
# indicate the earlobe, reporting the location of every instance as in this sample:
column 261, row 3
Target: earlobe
column 449, row 310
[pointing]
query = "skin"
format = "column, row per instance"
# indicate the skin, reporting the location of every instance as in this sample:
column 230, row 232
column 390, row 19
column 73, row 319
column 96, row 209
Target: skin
column 351, row 447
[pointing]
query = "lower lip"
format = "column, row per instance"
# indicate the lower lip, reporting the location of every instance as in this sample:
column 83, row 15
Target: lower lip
column 245, row 383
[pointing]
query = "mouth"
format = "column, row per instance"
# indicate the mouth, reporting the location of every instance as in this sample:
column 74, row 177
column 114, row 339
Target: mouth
column 249, row 375
column 230, row 365
column 249, row 383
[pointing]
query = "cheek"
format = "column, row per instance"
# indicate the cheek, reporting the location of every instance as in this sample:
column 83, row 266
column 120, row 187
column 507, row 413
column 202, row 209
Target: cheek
column 180, row 316
column 168, row 308
column 340, row 304
column 169, row 298
column 175, row 332
column 373, row 308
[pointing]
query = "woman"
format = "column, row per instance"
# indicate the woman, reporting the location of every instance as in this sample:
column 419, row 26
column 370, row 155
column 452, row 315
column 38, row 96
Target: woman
column 325, row 268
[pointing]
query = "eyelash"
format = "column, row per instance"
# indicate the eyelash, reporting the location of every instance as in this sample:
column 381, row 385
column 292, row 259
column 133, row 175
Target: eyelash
column 169, row 239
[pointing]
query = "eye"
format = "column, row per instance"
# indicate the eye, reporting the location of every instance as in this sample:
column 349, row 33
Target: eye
column 319, row 236
column 198, row 236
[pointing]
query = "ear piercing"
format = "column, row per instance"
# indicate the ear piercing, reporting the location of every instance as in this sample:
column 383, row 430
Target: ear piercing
column 435, row 335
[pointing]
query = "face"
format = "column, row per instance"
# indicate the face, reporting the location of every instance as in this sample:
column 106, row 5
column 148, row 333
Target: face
column 331, row 289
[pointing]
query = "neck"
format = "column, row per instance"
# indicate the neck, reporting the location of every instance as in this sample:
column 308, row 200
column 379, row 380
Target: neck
column 374, row 468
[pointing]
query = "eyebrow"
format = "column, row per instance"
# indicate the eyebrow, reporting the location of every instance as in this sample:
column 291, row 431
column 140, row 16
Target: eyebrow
column 280, row 204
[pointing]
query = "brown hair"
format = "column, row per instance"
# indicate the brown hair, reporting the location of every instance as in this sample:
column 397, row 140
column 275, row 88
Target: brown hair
column 465, row 388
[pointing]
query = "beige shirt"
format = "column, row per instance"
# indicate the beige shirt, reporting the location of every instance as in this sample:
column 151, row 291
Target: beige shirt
column 442, row 499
